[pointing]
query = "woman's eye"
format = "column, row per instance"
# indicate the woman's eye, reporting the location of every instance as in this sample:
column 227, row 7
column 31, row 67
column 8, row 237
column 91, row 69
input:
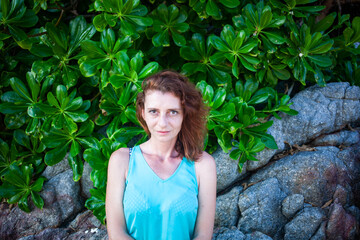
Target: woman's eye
column 152, row 111
column 172, row 112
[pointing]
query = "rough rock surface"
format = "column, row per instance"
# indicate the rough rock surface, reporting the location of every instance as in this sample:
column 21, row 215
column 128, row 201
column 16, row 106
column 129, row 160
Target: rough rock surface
column 227, row 212
column 89, row 234
column 341, row 225
column 257, row 236
column 260, row 208
column 85, row 220
column 85, row 181
column 61, row 201
column 52, row 171
column 223, row 233
column 304, row 224
column 292, row 204
column 321, row 110
column 345, row 138
column 315, row 175
column 49, row 233
column 226, row 169
column 320, row 233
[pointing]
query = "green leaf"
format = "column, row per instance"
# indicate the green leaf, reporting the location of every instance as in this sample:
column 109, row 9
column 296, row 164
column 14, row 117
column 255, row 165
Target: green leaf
column 212, row 9
column 56, row 155
column 282, row 74
column 19, row 87
column 21, row 138
column 20, row 37
column 189, row 54
column 99, row 22
column 148, row 70
column 86, row 128
column 219, row 44
column 322, row 61
column 89, row 142
column 141, row 21
column 52, row 100
column 77, row 167
column 274, row 37
column 219, row 98
column 325, row 23
column 23, row 203
column 38, row 184
column 97, row 203
column 36, row 198
column 322, row 48
column 74, row 149
column 225, row 114
column 230, row 3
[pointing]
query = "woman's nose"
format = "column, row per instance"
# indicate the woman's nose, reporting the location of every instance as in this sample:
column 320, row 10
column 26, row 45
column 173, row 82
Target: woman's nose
column 163, row 120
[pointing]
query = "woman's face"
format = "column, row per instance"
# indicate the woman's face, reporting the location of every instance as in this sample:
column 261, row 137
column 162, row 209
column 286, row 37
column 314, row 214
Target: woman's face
column 163, row 115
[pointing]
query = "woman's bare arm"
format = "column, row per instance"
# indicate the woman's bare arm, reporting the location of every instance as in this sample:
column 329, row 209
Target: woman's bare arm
column 117, row 170
column 206, row 172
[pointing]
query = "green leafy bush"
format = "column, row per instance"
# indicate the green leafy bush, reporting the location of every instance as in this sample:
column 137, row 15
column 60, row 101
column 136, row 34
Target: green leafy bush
column 70, row 75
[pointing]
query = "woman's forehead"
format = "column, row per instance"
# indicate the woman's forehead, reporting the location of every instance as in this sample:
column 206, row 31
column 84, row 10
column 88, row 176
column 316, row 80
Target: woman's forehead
column 155, row 98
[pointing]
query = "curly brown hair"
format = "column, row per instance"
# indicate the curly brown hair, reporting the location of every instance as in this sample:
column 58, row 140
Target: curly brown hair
column 190, row 141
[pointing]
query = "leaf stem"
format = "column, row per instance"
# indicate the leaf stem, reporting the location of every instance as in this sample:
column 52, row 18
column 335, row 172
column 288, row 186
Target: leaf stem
column 37, row 34
column 61, row 14
column 95, row 97
column 5, row 133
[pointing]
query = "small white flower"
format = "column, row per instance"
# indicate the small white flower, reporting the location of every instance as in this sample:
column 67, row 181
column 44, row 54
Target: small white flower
column 291, row 13
column 300, row 54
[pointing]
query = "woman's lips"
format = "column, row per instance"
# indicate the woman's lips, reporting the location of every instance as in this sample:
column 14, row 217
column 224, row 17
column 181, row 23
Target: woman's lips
column 163, row 132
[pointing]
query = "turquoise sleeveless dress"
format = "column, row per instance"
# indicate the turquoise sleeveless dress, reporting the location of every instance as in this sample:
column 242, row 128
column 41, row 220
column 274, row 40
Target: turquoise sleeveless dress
column 157, row 209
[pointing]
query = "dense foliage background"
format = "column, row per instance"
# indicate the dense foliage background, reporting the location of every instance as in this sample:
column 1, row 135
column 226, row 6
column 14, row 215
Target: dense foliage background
column 71, row 70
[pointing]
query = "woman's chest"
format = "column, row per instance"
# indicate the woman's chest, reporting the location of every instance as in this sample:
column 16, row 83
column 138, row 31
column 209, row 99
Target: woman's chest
column 148, row 198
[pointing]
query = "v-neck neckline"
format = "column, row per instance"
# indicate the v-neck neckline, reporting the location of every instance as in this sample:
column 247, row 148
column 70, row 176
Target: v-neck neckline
column 153, row 172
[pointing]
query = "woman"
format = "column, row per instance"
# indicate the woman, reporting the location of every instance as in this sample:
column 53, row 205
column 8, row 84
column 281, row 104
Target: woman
column 164, row 188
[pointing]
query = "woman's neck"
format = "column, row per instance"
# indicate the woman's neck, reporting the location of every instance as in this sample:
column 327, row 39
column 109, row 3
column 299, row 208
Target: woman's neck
column 163, row 150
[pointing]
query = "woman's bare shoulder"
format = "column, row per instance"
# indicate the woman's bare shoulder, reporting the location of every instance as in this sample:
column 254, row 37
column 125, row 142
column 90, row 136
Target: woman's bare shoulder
column 119, row 159
column 206, row 162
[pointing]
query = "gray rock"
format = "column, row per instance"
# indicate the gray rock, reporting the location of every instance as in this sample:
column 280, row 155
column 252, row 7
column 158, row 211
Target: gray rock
column 351, row 158
column 345, row 138
column 260, row 208
column 52, row 171
column 85, row 220
column 257, row 236
column 341, row 225
column 343, row 195
column 227, row 169
column 49, row 233
column 67, row 194
column 89, row 234
column 355, row 211
column 227, row 211
column 292, row 204
column 85, row 181
column 322, row 110
column 304, row 225
column 61, row 201
column 223, row 233
column 320, row 233
column 315, row 175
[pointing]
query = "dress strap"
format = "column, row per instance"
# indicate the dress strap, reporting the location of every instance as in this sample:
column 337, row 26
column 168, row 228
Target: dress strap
column 131, row 165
